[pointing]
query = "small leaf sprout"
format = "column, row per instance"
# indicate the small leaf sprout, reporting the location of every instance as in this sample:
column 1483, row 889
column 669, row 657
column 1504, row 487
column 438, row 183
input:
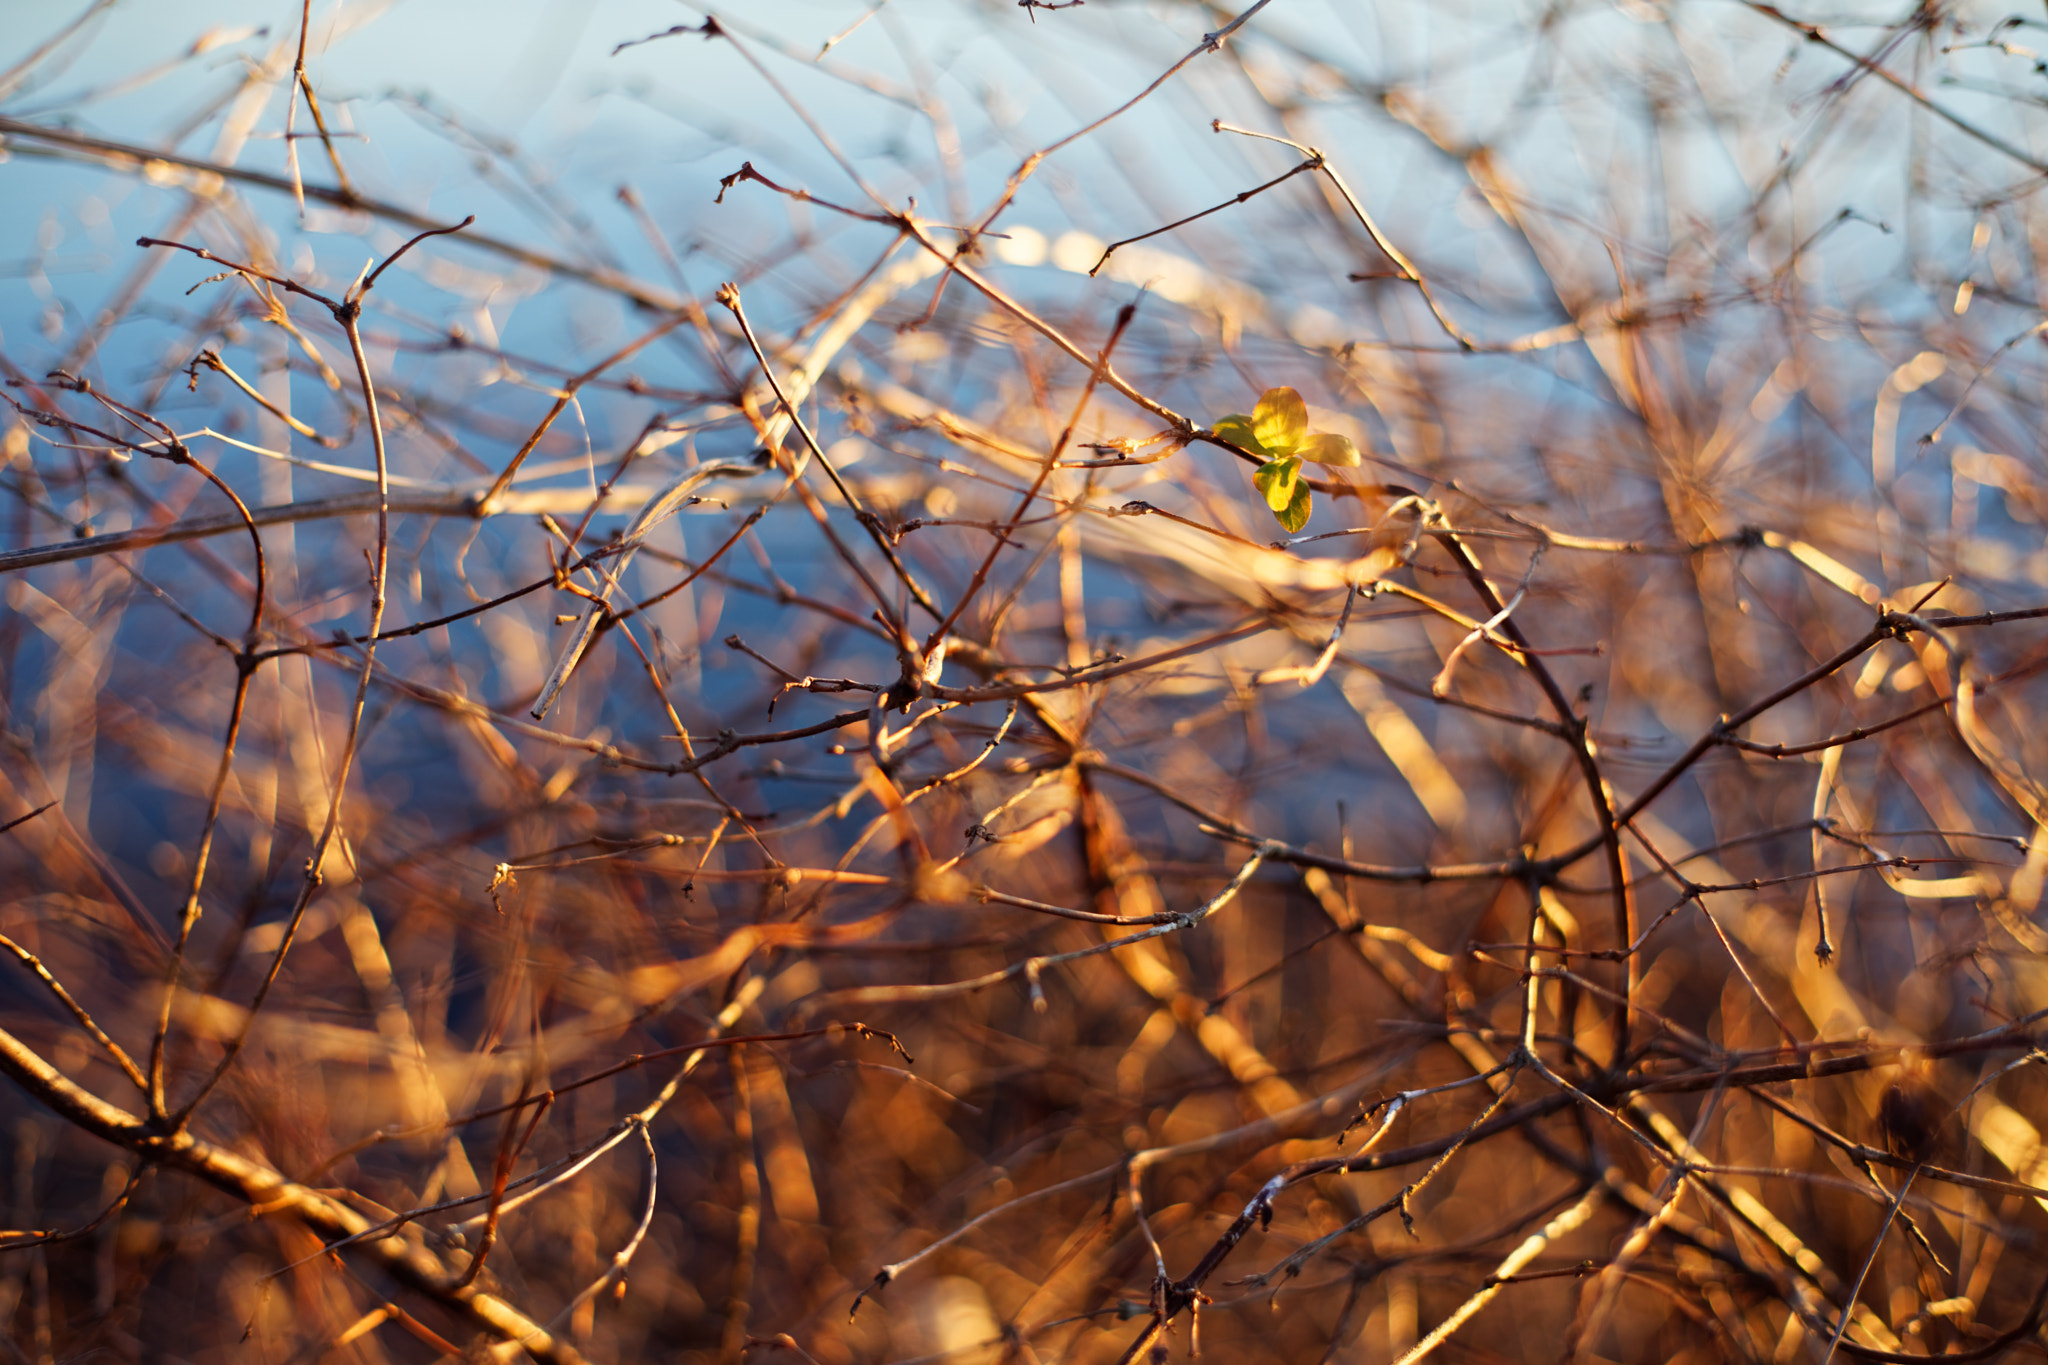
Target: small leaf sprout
column 1278, row 430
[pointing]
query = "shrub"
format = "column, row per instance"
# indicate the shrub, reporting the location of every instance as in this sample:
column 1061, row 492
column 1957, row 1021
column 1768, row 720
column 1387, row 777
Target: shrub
column 611, row 755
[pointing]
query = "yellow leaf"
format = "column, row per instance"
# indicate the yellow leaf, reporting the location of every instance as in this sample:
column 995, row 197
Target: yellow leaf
column 1294, row 516
column 1277, row 481
column 1237, row 429
column 1327, row 447
column 1280, row 421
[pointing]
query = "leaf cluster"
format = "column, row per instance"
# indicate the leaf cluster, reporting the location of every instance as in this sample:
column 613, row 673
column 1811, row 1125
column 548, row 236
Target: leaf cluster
column 1277, row 429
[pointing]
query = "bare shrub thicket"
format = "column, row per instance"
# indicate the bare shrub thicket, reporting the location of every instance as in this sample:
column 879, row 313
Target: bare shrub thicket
column 718, row 761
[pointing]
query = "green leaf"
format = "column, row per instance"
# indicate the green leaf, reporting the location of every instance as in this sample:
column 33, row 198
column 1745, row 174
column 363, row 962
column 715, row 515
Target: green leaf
column 1327, row 447
column 1295, row 515
column 1280, row 421
column 1277, row 481
column 1237, row 429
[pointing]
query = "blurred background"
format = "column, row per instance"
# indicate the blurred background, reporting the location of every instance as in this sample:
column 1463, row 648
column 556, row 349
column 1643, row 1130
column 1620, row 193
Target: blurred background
column 1681, row 341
